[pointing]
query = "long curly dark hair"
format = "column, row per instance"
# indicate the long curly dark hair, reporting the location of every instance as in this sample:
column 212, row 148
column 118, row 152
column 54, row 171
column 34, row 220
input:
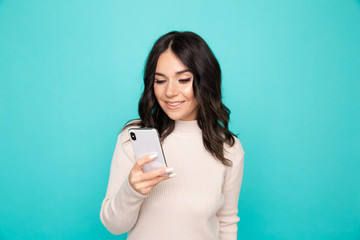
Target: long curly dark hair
column 213, row 115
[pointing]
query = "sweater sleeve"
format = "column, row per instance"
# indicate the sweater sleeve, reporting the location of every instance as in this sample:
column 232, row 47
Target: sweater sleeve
column 120, row 208
column 227, row 215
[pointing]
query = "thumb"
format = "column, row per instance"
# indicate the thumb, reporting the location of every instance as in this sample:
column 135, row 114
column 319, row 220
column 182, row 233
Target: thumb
column 142, row 161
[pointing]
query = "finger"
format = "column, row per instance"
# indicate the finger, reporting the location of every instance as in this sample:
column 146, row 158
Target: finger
column 146, row 186
column 153, row 182
column 146, row 191
column 156, row 173
column 142, row 161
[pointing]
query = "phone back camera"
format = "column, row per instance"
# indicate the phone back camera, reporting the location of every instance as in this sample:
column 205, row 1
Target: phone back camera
column 133, row 137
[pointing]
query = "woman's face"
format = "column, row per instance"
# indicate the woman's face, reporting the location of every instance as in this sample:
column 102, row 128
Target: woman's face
column 173, row 87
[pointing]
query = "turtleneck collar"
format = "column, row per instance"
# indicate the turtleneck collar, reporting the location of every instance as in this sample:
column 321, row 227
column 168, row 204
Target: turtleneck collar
column 187, row 128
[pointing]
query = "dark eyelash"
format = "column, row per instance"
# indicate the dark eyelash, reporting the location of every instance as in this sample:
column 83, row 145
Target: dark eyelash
column 159, row 81
column 184, row 80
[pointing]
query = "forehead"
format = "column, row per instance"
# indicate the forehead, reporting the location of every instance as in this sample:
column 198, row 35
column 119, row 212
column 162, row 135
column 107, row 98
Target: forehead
column 169, row 64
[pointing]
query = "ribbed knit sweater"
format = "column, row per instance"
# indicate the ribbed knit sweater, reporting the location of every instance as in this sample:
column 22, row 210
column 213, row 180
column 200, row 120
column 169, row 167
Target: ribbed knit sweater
column 200, row 202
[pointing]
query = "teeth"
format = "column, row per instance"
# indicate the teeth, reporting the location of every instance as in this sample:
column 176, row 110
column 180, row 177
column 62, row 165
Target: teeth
column 174, row 103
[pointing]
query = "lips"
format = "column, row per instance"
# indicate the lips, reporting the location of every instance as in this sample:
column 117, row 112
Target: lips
column 174, row 105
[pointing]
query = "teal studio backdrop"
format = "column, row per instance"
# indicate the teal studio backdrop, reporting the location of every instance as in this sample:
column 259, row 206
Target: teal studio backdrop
column 71, row 76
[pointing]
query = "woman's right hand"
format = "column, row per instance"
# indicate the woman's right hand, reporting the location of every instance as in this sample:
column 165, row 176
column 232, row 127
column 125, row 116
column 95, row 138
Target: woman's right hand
column 142, row 182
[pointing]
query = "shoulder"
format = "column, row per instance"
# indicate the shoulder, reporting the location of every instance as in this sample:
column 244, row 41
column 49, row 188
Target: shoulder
column 236, row 147
column 236, row 151
column 124, row 135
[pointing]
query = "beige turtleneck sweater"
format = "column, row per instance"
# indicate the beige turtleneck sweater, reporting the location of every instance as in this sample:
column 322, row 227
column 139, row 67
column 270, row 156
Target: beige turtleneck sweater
column 200, row 202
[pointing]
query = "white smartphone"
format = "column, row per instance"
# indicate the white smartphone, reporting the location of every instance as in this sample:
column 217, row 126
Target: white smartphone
column 145, row 141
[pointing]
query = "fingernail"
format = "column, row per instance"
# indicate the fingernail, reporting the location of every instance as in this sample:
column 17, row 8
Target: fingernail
column 152, row 156
column 169, row 169
column 171, row 175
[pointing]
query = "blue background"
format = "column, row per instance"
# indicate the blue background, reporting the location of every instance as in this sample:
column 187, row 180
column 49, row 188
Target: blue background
column 71, row 76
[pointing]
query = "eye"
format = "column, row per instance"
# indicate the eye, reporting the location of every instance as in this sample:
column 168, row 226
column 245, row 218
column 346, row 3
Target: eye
column 159, row 81
column 185, row 80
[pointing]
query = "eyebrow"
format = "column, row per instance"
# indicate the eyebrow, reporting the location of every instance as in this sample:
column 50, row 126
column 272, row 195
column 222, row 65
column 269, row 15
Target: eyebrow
column 179, row 72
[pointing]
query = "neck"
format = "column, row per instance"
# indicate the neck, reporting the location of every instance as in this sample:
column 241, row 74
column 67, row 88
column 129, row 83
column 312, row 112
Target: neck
column 187, row 128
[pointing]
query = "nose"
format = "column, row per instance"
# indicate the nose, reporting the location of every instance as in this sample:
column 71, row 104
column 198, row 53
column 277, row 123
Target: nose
column 171, row 89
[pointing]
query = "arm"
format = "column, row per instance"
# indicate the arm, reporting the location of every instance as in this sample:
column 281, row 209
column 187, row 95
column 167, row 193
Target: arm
column 121, row 206
column 227, row 215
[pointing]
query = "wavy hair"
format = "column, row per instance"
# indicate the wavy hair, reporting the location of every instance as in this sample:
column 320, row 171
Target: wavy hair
column 213, row 116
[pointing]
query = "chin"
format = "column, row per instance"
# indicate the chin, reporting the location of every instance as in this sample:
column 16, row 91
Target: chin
column 179, row 114
column 173, row 117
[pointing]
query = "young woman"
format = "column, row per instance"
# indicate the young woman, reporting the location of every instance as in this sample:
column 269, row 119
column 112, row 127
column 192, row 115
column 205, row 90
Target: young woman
column 182, row 100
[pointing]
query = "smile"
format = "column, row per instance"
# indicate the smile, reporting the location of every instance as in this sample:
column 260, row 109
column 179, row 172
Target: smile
column 174, row 105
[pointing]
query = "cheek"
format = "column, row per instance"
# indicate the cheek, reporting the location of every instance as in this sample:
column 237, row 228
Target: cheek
column 188, row 92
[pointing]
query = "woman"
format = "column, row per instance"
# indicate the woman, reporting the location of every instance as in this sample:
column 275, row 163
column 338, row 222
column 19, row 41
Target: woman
column 182, row 100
